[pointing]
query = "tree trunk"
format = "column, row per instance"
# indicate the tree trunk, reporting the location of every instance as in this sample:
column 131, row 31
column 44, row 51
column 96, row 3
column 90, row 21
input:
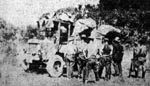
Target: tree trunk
column 147, row 75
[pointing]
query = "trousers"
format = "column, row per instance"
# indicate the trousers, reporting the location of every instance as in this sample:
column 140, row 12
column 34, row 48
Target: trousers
column 91, row 64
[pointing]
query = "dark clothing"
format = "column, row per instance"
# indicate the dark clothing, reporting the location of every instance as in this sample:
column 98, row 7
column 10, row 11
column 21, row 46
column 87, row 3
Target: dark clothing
column 106, row 50
column 117, row 57
column 118, row 69
column 70, row 64
column 139, row 53
column 135, row 66
column 91, row 63
column 81, row 63
column 105, row 62
column 117, row 54
column 139, row 59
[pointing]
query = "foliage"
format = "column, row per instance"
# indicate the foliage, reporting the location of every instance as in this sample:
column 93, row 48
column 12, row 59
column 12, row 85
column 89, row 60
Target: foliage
column 7, row 31
column 131, row 16
column 125, row 4
column 121, row 13
column 31, row 32
column 7, row 44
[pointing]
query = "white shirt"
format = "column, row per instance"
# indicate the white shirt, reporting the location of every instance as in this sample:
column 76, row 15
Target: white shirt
column 93, row 48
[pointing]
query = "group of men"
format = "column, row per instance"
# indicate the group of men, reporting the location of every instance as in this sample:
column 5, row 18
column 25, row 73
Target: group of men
column 96, row 54
column 103, row 56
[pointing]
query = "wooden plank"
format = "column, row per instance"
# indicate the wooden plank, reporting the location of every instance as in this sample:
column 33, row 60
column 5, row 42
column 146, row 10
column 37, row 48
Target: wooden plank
column 69, row 26
column 58, row 41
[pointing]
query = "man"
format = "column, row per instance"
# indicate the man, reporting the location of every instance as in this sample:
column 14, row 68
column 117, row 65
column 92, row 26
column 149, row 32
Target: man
column 81, row 63
column 139, row 59
column 105, row 59
column 69, row 51
column 80, row 56
column 117, row 56
column 91, row 60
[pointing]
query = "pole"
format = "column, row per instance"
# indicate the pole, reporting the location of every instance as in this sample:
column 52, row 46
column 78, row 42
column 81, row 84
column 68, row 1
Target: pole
column 59, row 24
column 69, row 31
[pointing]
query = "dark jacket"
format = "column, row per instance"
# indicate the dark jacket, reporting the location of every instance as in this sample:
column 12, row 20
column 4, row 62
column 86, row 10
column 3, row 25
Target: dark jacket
column 117, row 54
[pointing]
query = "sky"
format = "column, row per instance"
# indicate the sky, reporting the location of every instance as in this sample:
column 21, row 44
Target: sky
column 27, row 12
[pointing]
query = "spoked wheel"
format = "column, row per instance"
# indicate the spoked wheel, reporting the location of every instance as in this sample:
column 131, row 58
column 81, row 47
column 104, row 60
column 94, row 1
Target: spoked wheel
column 55, row 66
column 25, row 65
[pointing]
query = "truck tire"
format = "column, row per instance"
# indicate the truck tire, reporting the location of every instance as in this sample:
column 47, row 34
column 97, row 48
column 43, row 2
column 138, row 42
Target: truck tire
column 55, row 66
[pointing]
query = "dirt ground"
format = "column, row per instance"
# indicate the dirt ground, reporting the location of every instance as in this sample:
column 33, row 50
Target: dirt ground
column 13, row 75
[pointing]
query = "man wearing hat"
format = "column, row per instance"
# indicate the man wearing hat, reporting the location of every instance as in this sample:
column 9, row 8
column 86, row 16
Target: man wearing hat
column 69, row 52
column 139, row 58
column 117, row 56
column 91, row 62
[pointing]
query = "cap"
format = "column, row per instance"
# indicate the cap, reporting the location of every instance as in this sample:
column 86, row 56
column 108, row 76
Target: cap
column 83, row 36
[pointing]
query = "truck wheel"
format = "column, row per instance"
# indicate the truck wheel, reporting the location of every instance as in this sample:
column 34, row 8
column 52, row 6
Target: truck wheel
column 24, row 65
column 55, row 66
column 22, row 61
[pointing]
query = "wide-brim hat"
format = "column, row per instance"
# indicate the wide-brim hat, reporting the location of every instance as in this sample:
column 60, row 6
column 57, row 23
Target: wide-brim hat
column 71, row 38
column 105, row 39
column 117, row 39
column 86, row 37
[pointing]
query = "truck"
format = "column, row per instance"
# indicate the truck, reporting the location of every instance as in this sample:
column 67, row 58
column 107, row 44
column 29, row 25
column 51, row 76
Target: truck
column 44, row 53
column 58, row 30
